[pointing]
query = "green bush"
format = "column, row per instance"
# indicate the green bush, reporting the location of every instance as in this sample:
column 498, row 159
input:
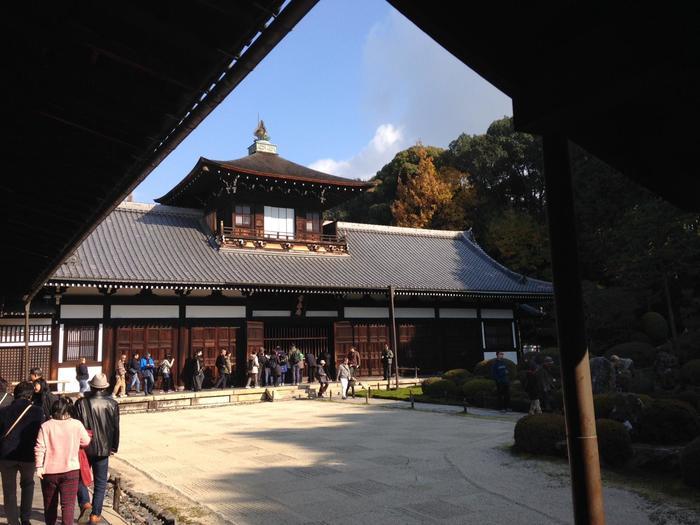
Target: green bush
column 457, row 375
column 477, row 389
column 429, row 381
column 642, row 354
column 691, row 397
column 540, row 434
column 668, row 422
column 643, row 381
column 689, row 346
column 640, row 337
column 690, row 463
column 614, row 442
column 483, row 368
column 655, row 326
column 606, row 403
column 691, row 372
column 442, row 388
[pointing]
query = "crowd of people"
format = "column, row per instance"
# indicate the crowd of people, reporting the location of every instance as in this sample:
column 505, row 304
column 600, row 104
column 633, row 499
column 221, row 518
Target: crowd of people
column 66, row 444
column 264, row 368
column 539, row 383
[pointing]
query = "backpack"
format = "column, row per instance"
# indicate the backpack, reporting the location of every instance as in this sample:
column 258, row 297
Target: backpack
column 282, row 359
column 251, row 364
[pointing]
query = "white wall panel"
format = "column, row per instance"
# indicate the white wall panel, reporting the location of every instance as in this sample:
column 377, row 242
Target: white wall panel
column 414, row 313
column 145, row 311
column 359, row 312
column 458, row 313
column 214, row 312
column 493, row 313
column 82, row 311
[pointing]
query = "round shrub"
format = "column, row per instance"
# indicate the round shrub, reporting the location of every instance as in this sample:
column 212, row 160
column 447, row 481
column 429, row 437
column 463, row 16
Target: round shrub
column 441, row 388
column 690, row 463
column 614, row 442
column 668, row 422
column 483, row 368
column 476, row 389
column 640, row 337
column 691, row 372
column 655, row 326
column 429, row 381
column 541, row 434
column 642, row 354
column 643, row 381
column 620, row 407
column 457, row 375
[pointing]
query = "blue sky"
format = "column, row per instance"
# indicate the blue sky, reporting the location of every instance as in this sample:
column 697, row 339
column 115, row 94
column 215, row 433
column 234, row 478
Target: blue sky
column 349, row 87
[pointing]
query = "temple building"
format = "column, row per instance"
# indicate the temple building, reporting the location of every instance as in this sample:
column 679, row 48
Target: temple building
column 237, row 256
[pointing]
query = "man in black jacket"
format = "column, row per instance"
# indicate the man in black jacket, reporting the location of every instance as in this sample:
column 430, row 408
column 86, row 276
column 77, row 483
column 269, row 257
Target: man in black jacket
column 100, row 414
column 311, row 366
column 19, row 426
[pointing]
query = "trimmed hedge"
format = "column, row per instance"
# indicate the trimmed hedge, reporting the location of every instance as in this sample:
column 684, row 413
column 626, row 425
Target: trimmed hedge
column 458, row 375
column 605, row 403
column 614, row 442
column 540, row 434
column 477, row 389
column 655, row 326
column 690, row 463
column 442, row 388
column 483, row 368
column 668, row 422
column 691, row 372
column 642, row 354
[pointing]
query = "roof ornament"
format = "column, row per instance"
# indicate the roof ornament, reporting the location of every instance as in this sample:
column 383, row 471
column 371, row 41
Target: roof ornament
column 262, row 143
column 260, row 132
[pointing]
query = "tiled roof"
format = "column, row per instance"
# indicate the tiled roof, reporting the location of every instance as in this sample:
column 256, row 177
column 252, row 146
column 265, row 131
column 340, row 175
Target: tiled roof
column 144, row 244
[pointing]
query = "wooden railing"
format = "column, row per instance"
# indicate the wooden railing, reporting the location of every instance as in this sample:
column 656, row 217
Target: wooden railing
column 260, row 234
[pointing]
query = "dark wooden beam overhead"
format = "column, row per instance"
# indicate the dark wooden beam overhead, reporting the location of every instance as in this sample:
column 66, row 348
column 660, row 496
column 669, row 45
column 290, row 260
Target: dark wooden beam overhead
column 99, row 94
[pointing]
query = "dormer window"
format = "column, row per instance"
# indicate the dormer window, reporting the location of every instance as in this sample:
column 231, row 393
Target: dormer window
column 242, row 217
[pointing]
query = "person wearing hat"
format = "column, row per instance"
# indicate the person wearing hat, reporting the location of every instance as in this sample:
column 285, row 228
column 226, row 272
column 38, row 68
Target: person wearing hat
column 322, row 377
column 99, row 412
column 545, row 383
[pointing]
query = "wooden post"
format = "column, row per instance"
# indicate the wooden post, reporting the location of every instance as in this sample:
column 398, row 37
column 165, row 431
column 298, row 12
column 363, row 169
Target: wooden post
column 394, row 341
column 575, row 369
column 25, row 350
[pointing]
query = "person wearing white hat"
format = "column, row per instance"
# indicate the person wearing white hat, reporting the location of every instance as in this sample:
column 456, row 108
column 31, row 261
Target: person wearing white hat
column 99, row 412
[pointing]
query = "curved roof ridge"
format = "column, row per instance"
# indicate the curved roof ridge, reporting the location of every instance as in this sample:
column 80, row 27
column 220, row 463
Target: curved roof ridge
column 468, row 239
column 399, row 230
column 143, row 207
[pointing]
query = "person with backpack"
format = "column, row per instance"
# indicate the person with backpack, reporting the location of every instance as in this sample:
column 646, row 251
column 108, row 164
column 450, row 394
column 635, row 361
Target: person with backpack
column 275, row 368
column 19, row 427
column 134, row 367
column 296, row 359
column 252, row 367
column 283, row 360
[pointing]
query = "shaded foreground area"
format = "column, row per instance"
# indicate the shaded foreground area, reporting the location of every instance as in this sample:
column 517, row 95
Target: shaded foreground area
column 331, row 462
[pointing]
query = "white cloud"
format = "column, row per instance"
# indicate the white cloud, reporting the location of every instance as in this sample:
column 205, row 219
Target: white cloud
column 387, row 141
column 412, row 81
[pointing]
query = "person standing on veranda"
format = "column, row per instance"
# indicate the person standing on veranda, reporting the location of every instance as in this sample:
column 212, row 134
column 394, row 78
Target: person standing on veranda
column 82, row 375
column 120, row 377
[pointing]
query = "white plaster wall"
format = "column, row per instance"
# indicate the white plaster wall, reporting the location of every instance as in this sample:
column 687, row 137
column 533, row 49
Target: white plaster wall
column 493, row 313
column 20, row 321
column 214, row 312
column 414, row 313
column 145, row 311
column 458, row 313
column 272, row 313
column 81, row 311
column 358, row 312
column 322, row 313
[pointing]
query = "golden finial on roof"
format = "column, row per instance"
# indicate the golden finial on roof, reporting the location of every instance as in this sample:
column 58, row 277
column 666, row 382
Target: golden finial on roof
column 261, row 133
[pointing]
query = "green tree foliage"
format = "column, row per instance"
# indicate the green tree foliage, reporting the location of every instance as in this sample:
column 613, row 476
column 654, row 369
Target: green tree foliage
column 419, row 193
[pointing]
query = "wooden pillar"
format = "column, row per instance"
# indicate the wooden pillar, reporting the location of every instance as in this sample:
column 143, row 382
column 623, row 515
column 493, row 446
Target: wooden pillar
column 25, row 349
column 394, row 339
column 575, row 370
column 181, row 351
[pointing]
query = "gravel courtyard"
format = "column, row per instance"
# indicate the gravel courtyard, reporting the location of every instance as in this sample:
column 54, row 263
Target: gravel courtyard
column 319, row 462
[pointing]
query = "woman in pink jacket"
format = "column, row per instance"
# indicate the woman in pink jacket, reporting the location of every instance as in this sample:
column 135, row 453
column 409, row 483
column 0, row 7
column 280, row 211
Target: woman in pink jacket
column 57, row 464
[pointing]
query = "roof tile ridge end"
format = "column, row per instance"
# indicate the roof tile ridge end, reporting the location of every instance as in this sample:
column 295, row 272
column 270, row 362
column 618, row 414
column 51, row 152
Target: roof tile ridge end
column 399, row 230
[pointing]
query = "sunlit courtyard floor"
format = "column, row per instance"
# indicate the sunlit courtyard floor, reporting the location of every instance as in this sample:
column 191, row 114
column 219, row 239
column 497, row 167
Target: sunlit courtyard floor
column 319, row 462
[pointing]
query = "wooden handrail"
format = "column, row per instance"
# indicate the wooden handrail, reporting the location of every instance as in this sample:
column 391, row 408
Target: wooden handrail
column 267, row 235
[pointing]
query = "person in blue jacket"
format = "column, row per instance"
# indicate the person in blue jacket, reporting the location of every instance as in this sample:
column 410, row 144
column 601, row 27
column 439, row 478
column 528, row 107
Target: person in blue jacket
column 499, row 373
column 148, row 367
